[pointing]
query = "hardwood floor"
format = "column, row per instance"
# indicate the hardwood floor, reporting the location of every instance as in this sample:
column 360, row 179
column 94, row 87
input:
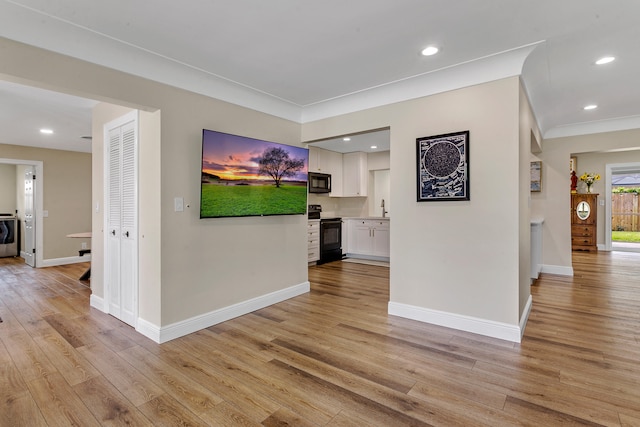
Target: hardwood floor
column 332, row 357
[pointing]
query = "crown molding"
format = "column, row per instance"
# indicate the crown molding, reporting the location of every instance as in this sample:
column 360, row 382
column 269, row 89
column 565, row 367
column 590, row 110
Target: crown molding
column 600, row 126
column 32, row 27
column 489, row 68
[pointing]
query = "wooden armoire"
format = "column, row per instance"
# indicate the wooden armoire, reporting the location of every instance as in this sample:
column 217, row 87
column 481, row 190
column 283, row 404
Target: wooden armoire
column 584, row 220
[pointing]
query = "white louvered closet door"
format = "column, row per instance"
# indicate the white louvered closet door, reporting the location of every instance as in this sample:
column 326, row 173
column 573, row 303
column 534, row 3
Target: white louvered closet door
column 121, row 273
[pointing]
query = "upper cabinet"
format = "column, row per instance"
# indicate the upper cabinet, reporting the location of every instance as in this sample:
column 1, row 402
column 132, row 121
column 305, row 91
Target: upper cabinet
column 318, row 160
column 337, row 173
column 326, row 161
column 355, row 175
column 349, row 172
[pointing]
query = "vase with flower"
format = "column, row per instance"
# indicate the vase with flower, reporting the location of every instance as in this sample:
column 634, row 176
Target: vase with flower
column 589, row 179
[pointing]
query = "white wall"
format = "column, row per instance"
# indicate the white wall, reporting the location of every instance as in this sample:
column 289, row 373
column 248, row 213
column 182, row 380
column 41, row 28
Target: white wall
column 378, row 160
column 7, row 188
column 529, row 137
column 20, row 172
column 458, row 258
column 380, row 190
column 378, row 164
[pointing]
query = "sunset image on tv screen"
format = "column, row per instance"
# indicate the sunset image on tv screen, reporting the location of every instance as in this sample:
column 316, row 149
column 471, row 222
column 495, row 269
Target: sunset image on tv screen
column 249, row 177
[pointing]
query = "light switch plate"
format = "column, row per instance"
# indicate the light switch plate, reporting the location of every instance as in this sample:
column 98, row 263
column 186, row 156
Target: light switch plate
column 178, row 204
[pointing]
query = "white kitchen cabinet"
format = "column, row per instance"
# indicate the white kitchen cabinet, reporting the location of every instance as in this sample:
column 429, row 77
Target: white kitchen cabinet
column 345, row 236
column 361, row 241
column 349, row 244
column 313, row 239
column 355, row 174
column 381, row 240
column 324, row 161
column 334, row 165
column 317, row 160
column 330, row 162
column 368, row 237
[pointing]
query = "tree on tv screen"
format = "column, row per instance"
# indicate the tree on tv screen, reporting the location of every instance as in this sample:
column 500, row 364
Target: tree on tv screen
column 276, row 163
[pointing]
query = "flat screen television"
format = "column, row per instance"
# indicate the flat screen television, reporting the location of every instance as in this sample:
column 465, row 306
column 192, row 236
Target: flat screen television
column 243, row 176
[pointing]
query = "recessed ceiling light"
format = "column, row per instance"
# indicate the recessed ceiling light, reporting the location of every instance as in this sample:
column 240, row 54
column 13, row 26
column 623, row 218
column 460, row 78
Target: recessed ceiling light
column 590, row 107
column 373, row 147
column 46, row 131
column 346, row 139
column 605, row 60
column 429, row 50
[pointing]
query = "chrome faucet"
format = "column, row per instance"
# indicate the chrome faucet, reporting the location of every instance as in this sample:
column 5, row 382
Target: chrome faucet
column 384, row 212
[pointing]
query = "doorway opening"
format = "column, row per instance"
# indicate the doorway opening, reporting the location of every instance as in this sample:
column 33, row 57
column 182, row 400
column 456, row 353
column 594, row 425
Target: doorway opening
column 28, row 209
column 360, row 168
column 622, row 229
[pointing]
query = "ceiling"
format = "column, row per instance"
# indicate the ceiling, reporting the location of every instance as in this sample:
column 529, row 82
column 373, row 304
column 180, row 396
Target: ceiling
column 369, row 142
column 305, row 60
column 24, row 110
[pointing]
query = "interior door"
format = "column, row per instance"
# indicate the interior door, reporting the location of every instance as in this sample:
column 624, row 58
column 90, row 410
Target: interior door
column 29, row 223
column 128, row 226
column 121, row 281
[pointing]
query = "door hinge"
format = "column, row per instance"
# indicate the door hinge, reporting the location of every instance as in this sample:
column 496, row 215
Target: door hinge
column 34, row 250
column 34, row 177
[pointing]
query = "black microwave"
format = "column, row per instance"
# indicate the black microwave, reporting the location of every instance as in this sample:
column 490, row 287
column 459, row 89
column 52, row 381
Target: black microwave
column 319, row 182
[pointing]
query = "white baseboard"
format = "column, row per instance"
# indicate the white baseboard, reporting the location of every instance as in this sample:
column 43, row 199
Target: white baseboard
column 525, row 316
column 557, row 269
column 188, row 326
column 475, row 325
column 369, row 257
column 98, row 303
column 64, row 261
column 149, row 330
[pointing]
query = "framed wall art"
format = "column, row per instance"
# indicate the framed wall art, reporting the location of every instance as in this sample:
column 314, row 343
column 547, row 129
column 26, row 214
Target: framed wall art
column 536, row 176
column 443, row 167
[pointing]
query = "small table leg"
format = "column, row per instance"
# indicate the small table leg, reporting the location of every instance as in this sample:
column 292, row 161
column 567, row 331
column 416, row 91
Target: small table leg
column 86, row 275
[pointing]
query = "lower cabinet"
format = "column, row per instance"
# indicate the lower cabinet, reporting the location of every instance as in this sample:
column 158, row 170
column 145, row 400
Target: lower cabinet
column 368, row 237
column 313, row 238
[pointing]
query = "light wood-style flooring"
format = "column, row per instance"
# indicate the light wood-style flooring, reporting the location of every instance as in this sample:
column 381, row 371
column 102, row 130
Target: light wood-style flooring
column 332, row 357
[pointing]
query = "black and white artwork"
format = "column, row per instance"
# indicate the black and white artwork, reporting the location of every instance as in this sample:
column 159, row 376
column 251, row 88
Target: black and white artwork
column 443, row 167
